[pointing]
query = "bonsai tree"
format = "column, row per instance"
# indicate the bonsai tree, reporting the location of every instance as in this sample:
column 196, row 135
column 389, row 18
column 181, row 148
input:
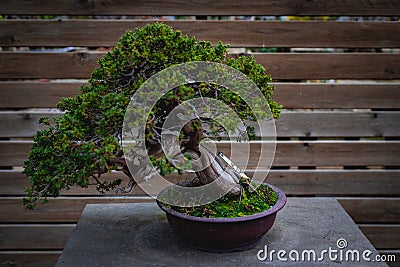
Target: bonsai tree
column 86, row 142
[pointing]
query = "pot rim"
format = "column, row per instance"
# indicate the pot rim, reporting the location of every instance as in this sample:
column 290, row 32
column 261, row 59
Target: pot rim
column 280, row 203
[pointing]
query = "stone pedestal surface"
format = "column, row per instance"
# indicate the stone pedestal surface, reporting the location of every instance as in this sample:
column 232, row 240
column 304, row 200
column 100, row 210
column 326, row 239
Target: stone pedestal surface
column 139, row 235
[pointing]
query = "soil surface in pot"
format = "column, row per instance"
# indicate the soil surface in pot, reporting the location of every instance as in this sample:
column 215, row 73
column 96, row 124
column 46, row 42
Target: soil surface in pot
column 235, row 206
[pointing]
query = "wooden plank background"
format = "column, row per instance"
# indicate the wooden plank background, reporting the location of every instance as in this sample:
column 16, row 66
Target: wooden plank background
column 335, row 181
column 29, row 258
column 281, row 66
column 288, row 153
column 369, row 95
column 45, row 33
column 291, row 123
column 203, row 7
column 337, row 138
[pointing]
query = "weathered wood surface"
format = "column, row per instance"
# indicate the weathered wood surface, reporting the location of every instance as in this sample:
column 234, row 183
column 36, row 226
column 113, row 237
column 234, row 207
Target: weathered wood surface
column 382, row 95
column 34, row 236
column 325, row 182
column 330, row 66
column 372, row 210
column 338, row 124
column 105, row 33
column 29, row 258
column 203, row 7
column 288, row 153
column 382, row 236
column 68, row 209
column 12, row 183
column 28, row 94
column 59, row 210
column 281, row 66
column 367, row 95
column 25, row 123
column 48, row 65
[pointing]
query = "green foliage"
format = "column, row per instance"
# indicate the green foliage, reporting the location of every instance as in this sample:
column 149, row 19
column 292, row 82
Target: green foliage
column 86, row 141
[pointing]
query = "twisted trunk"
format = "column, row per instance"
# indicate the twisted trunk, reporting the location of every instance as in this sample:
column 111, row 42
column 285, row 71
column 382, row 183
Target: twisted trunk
column 210, row 165
column 215, row 171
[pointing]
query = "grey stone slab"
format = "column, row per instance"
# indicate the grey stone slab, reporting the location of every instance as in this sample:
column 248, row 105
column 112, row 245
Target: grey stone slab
column 139, row 235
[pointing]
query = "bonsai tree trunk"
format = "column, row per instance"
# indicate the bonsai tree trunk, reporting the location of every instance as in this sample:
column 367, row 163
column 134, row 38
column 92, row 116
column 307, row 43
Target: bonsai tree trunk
column 216, row 171
column 210, row 167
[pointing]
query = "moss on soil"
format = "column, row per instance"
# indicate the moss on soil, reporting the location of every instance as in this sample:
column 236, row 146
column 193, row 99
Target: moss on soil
column 238, row 206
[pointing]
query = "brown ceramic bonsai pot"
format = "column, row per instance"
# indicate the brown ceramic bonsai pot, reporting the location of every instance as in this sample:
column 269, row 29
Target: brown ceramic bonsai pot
column 224, row 234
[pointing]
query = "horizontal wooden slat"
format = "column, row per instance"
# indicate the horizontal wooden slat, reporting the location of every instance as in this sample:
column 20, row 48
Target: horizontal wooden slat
column 12, row 183
column 331, row 66
column 68, row 209
column 337, row 124
column 336, row 182
column 14, row 153
column 288, row 153
column 291, row 95
column 24, row 123
column 203, row 7
column 292, row 182
column 36, row 94
column 29, row 258
column 282, row 66
column 34, row 236
column 62, row 209
column 48, row 65
column 382, row 236
column 370, row 210
column 321, row 153
column 336, row 95
column 50, row 33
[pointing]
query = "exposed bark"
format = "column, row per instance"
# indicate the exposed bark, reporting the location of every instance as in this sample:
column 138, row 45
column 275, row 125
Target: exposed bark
column 215, row 170
column 212, row 169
